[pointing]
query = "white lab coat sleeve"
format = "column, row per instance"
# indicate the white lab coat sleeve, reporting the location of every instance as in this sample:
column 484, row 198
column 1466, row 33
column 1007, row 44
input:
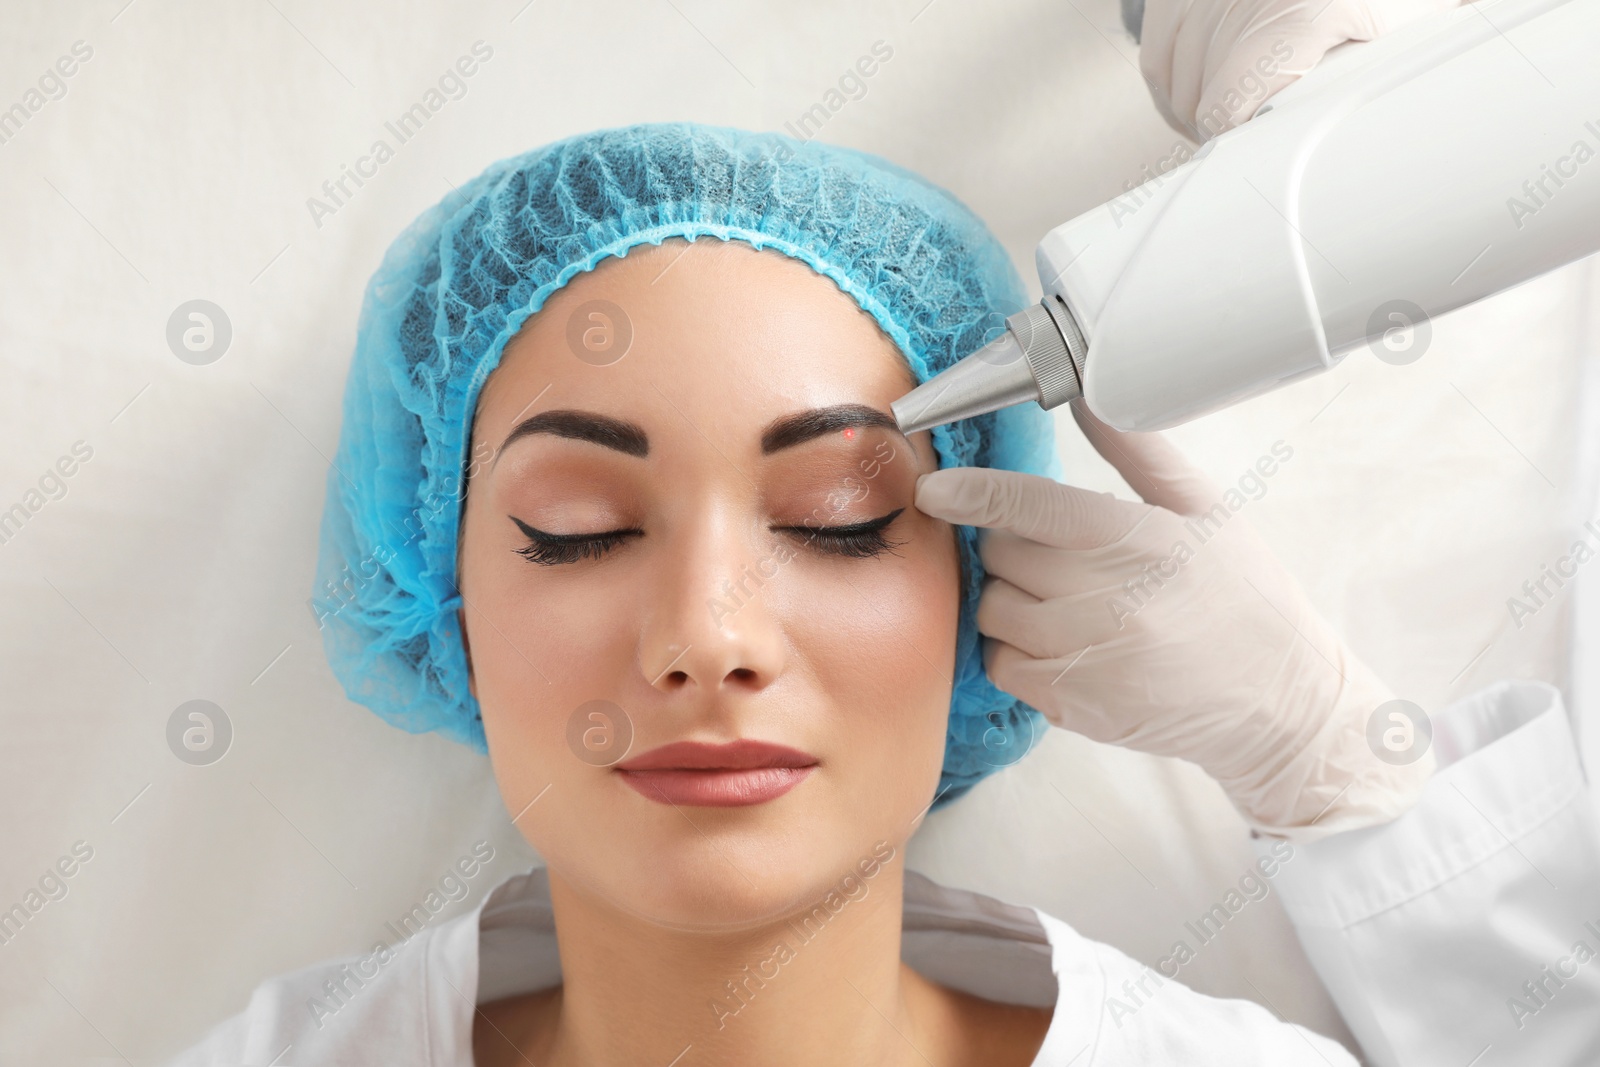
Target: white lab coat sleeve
column 1467, row 931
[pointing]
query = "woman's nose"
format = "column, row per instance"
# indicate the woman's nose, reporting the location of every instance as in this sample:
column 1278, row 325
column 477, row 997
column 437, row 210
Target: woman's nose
column 710, row 622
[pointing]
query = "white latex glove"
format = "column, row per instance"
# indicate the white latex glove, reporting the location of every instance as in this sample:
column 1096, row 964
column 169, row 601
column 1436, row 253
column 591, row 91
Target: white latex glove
column 1212, row 654
column 1211, row 64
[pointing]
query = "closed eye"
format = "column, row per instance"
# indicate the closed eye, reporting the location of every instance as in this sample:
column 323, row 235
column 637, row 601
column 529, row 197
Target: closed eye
column 549, row 550
column 856, row 540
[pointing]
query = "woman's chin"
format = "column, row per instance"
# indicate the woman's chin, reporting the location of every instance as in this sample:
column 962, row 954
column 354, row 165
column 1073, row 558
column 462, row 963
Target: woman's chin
column 710, row 900
column 724, row 882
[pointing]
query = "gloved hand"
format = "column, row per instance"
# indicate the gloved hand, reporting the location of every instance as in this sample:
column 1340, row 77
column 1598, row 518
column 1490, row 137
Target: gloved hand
column 1211, row 64
column 1170, row 627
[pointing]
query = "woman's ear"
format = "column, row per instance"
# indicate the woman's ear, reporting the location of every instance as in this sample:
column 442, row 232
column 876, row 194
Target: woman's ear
column 466, row 650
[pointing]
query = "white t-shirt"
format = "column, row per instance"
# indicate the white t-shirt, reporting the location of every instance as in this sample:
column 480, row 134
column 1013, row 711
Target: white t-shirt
column 412, row 1005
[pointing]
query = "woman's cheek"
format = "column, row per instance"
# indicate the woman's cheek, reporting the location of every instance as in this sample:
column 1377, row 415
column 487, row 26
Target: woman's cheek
column 551, row 646
column 880, row 633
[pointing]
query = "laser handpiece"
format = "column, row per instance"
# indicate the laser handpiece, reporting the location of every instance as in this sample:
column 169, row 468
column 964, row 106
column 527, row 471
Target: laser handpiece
column 1396, row 181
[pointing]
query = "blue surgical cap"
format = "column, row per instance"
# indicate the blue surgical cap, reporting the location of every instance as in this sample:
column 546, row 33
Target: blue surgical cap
column 462, row 279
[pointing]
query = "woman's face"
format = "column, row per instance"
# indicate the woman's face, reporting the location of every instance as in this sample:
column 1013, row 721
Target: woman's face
column 708, row 540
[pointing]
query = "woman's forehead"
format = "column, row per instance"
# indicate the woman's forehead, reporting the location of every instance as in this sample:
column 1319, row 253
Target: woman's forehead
column 694, row 338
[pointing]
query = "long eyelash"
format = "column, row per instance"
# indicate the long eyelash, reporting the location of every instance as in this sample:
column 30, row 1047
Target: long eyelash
column 857, row 540
column 549, row 550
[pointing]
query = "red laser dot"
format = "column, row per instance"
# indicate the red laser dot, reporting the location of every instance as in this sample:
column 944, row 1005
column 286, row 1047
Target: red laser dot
column 849, row 433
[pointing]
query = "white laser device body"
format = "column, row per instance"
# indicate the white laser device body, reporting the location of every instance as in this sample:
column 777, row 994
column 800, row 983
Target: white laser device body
column 1398, row 180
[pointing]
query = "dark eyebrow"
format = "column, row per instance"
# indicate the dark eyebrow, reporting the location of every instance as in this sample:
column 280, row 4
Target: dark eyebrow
column 629, row 439
column 791, row 430
column 600, row 430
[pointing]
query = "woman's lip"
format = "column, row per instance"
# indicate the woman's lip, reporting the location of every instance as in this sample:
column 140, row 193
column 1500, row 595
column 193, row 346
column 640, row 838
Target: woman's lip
column 717, row 776
column 742, row 755
column 716, row 788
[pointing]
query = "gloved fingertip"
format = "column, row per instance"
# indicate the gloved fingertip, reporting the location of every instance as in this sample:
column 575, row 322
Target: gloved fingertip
column 938, row 494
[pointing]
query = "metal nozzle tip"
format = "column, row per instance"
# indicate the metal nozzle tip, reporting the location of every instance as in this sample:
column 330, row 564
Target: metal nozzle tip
column 994, row 377
column 1038, row 358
